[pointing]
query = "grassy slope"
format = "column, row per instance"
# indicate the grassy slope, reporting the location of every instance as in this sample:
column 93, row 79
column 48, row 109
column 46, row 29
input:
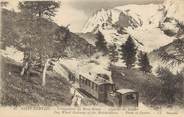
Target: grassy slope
column 147, row 85
column 18, row 91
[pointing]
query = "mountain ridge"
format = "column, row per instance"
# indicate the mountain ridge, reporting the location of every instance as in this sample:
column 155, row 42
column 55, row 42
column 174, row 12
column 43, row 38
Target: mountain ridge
column 151, row 26
column 135, row 20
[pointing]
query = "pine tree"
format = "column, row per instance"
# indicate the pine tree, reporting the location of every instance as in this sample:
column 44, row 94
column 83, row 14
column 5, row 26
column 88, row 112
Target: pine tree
column 37, row 11
column 144, row 62
column 39, row 8
column 179, row 85
column 176, row 57
column 129, row 51
column 168, row 80
column 101, row 43
column 113, row 54
column 42, row 9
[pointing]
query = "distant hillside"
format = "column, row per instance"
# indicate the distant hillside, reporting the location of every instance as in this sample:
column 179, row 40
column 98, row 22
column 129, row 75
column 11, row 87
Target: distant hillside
column 16, row 27
column 147, row 85
column 90, row 37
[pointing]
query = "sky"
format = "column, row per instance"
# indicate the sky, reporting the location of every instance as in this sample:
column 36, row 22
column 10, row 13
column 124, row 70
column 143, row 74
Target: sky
column 77, row 12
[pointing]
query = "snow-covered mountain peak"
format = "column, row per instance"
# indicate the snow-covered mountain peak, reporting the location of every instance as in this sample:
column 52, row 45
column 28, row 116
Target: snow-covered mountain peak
column 137, row 14
column 144, row 14
column 101, row 17
column 174, row 9
column 153, row 25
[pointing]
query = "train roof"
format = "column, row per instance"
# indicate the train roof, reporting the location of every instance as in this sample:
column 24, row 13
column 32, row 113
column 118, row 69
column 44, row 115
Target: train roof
column 96, row 79
column 124, row 91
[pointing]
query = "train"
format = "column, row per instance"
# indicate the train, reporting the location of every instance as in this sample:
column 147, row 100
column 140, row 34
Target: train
column 104, row 90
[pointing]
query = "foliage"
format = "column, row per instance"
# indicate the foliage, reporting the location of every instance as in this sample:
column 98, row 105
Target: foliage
column 32, row 9
column 176, row 56
column 179, row 85
column 39, row 8
column 144, row 62
column 171, row 84
column 129, row 51
column 113, row 54
column 101, row 43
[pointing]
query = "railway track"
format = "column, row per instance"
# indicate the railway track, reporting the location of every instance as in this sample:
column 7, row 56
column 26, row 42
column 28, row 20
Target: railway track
column 84, row 97
column 84, row 93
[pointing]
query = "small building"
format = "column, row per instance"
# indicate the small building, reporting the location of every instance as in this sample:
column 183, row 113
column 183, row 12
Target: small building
column 124, row 97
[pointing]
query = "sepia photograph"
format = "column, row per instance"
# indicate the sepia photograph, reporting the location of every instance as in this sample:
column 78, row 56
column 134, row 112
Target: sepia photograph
column 92, row 57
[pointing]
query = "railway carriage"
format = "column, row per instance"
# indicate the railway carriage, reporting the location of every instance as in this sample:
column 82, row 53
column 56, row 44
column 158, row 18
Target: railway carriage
column 98, row 87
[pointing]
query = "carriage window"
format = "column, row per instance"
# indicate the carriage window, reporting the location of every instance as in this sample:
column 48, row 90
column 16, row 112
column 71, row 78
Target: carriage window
column 102, row 88
column 131, row 97
column 92, row 85
column 96, row 87
column 83, row 81
column 110, row 88
column 80, row 79
column 86, row 81
column 113, row 87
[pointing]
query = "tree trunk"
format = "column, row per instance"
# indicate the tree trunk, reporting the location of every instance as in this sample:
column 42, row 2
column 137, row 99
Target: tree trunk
column 28, row 72
column 25, row 67
column 44, row 72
